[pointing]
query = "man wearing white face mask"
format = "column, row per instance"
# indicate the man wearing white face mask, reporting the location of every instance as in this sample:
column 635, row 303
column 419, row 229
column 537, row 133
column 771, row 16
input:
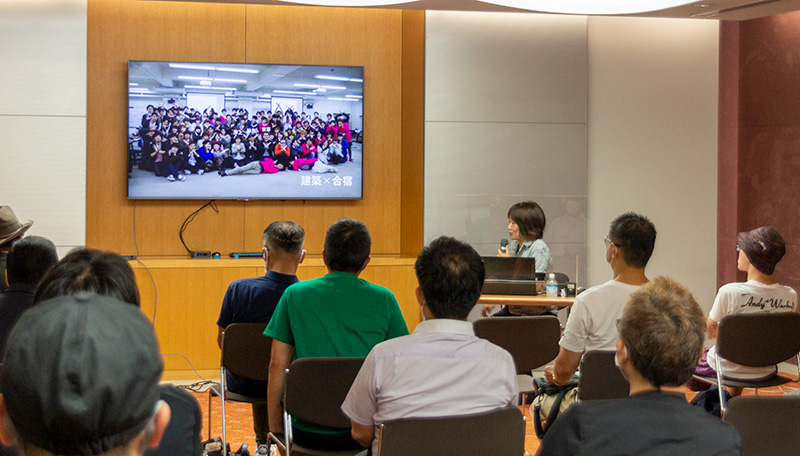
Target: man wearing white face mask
column 661, row 335
column 442, row 369
column 254, row 300
column 629, row 245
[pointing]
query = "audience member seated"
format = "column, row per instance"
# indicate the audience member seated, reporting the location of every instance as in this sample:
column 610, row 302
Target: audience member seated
column 337, row 315
column 81, row 377
column 11, row 229
column 442, row 369
column 254, row 301
column 28, row 260
column 591, row 322
column 661, row 337
column 759, row 251
column 108, row 274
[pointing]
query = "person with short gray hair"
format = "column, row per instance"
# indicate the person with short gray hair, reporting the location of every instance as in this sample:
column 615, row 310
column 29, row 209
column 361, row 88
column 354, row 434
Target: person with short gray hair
column 661, row 335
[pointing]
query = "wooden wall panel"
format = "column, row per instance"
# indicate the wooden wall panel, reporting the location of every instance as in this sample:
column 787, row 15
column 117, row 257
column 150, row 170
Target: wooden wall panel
column 119, row 31
column 122, row 30
column 361, row 37
column 412, row 205
column 190, row 294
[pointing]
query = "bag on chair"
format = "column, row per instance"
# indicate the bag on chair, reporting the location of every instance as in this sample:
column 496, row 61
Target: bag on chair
column 550, row 401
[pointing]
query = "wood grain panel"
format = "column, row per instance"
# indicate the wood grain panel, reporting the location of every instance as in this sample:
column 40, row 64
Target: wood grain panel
column 413, row 115
column 189, row 301
column 121, row 30
column 369, row 38
column 190, row 294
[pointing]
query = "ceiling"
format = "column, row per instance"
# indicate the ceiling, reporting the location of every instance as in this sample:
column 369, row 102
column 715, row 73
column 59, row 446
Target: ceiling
column 736, row 10
column 254, row 81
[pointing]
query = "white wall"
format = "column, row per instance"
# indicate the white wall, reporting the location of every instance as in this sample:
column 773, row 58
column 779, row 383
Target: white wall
column 43, row 116
column 653, row 142
column 505, row 121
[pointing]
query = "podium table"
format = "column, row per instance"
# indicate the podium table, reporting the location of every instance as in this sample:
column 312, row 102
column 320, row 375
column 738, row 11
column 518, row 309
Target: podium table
column 525, row 300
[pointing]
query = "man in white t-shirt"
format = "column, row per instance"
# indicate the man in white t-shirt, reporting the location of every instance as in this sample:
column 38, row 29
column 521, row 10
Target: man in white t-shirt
column 759, row 251
column 592, row 320
column 442, row 368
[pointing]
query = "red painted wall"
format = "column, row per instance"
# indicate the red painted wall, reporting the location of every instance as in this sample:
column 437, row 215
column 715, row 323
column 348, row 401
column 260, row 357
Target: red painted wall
column 759, row 138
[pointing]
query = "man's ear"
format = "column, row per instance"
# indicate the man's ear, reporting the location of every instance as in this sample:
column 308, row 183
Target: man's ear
column 302, row 256
column 365, row 264
column 5, row 433
column 160, row 420
column 265, row 254
column 420, row 296
column 622, row 353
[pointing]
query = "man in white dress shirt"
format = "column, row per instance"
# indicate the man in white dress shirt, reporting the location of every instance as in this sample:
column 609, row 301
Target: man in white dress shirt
column 442, row 368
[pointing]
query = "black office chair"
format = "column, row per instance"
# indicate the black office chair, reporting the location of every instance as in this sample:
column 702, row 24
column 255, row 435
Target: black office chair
column 246, row 352
column 765, row 423
column 314, row 391
column 600, row 378
column 532, row 342
column 497, row 433
column 756, row 340
column 561, row 277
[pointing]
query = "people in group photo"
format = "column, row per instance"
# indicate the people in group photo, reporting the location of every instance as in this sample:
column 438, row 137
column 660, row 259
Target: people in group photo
column 226, row 141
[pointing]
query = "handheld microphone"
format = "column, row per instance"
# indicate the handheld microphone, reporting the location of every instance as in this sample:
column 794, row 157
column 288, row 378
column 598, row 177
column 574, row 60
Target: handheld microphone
column 503, row 245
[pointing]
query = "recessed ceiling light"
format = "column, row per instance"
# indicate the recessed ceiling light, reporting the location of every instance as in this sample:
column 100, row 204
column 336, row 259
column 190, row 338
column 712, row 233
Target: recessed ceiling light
column 590, row 6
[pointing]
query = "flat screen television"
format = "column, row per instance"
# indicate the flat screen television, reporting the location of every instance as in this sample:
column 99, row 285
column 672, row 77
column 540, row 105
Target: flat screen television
column 199, row 130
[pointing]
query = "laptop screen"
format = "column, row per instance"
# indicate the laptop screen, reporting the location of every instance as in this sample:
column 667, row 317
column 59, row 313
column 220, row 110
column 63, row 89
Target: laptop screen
column 509, row 268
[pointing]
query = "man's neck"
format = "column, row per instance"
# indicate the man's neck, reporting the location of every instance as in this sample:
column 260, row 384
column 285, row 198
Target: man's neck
column 640, row 385
column 628, row 275
column 288, row 267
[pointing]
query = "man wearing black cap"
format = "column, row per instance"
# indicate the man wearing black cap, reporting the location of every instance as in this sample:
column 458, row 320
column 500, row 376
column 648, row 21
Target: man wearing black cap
column 11, row 229
column 759, row 251
column 80, row 377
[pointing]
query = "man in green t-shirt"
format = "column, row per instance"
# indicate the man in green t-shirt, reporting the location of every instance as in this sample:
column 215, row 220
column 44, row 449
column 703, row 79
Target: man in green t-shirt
column 321, row 318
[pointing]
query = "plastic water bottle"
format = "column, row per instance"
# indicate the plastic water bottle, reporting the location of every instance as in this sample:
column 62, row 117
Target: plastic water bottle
column 551, row 287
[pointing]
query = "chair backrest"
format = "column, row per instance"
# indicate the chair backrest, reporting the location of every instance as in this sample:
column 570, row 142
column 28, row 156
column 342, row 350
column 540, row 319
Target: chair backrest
column 316, row 388
column 498, row 433
column 532, row 341
column 246, row 350
column 600, row 377
column 759, row 339
column 765, row 423
column 561, row 277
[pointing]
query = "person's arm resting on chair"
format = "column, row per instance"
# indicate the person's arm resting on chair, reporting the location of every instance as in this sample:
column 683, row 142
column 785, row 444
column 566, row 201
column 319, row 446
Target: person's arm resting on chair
column 362, row 434
column 281, row 357
column 564, row 367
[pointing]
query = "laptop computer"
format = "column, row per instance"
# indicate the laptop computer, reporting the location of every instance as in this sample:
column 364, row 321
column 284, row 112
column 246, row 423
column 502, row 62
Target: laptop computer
column 511, row 276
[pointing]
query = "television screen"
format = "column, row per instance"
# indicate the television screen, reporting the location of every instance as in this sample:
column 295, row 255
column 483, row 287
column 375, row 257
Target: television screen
column 244, row 131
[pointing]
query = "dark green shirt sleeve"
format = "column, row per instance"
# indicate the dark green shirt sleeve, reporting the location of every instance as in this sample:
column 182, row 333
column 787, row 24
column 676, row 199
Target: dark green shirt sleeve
column 397, row 324
column 279, row 327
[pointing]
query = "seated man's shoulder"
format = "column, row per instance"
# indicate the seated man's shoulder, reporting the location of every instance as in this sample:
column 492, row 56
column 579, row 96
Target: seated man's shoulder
column 639, row 425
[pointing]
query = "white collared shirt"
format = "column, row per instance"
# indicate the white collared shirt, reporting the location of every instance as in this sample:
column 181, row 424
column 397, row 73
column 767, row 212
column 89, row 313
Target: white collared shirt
column 442, row 369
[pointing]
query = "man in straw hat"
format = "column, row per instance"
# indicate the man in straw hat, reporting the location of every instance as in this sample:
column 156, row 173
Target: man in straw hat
column 11, row 229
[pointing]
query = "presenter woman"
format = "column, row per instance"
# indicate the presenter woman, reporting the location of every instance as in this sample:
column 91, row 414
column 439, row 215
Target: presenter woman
column 526, row 222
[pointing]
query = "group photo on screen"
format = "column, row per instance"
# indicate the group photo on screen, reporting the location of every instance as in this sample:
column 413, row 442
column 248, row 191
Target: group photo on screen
column 272, row 131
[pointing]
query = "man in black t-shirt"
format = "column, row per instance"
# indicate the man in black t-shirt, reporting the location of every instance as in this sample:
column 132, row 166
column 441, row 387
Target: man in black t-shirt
column 254, row 300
